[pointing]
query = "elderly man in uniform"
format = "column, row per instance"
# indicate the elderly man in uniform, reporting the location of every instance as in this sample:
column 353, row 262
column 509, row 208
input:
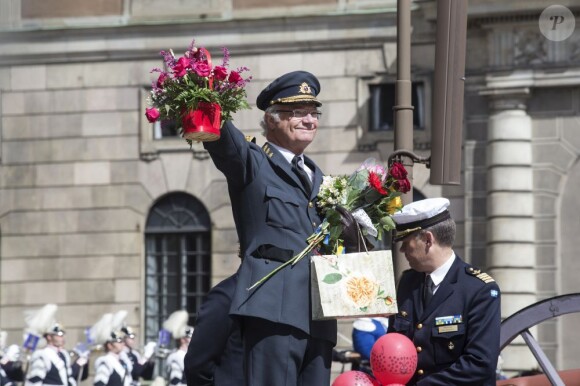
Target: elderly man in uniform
column 273, row 190
column 450, row 310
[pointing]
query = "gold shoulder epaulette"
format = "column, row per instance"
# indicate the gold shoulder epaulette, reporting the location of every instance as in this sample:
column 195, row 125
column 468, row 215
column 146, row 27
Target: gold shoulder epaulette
column 251, row 138
column 484, row 277
column 267, row 150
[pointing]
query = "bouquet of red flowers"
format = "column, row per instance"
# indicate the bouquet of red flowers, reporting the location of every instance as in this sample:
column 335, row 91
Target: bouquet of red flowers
column 191, row 83
column 369, row 196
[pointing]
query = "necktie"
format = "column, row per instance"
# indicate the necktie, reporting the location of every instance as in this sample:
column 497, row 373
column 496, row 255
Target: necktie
column 427, row 290
column 301, row 173
column 61, row 356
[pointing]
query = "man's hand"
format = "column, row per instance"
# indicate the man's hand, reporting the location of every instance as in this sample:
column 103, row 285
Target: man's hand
column 12, row 353
column 149, row 350
column 346, row 356
column 351, row 233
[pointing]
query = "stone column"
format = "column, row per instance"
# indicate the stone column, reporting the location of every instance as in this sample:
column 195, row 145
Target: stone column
column 9, row 13
column 511, row 255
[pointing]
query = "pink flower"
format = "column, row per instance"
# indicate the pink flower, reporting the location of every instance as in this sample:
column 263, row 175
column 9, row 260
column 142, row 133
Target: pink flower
column 372, row 166
column 180, row 68
column 201, row 69
column 152, row 114
column 162, row 77
column 235, row 77
column 220, row 73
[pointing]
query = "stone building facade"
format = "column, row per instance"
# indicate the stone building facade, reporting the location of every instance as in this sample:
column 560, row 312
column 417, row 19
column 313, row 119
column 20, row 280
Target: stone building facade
column 102, row 211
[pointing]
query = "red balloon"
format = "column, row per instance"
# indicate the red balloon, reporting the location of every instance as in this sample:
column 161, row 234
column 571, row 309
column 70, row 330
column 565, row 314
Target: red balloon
column 355, row 378
column 393, row 359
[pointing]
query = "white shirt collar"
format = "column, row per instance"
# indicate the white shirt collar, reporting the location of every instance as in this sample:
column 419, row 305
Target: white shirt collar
column 288, row 156
column 439, row 274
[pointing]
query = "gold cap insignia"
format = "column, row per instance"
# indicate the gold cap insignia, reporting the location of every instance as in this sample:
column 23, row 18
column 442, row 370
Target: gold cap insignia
column 304, row 88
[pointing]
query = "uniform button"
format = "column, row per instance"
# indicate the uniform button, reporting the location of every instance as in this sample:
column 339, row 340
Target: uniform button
column 267, row 261
column 451, row 346
column 420, row 372
column 403, row 313
column 419, row 349
column 419, row 326
column 311, row 204
column 313, row 224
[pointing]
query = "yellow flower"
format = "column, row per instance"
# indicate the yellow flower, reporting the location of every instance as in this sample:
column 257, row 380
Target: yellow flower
column 394, row 205
column 361, row 290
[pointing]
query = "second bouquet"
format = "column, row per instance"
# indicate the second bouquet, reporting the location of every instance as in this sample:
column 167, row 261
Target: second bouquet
column 354, row 207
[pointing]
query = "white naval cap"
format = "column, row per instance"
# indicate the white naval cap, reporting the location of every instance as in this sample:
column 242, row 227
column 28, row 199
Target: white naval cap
column 420, row 215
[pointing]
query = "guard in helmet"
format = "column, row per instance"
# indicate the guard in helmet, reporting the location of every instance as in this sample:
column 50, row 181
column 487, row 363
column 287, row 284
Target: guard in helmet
column 52, row 365
column 143, row 365
column 176, row 324
column 110, row 369
column 10, row 363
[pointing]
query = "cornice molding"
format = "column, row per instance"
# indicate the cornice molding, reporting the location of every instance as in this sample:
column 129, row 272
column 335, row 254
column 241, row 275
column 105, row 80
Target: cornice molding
column 135, row 42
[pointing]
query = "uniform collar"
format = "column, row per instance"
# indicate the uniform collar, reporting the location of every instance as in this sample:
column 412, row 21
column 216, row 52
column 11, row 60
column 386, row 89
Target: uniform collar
column 439, row 274
column 288, row 156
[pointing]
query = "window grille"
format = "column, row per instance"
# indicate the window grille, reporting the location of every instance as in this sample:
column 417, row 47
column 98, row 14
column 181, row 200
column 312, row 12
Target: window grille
column 178, row 259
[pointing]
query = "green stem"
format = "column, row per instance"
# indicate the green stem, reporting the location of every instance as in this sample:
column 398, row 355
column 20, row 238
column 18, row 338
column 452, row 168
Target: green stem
column 262, row 280
column 313, row 241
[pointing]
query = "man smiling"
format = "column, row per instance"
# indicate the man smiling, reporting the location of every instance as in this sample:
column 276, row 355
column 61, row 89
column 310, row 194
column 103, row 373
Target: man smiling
column 273, row 189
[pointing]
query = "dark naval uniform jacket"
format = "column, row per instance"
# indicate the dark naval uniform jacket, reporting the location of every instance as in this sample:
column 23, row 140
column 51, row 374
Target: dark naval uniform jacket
column 274, row 216
column 215, row 355
column 457, row 335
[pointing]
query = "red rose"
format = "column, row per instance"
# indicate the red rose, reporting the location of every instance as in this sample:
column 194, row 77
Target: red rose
column 180, row 68
column 375, row 182
column 152, row 114
column 220, row 72
column 235, row 77
column 161, row 79
column 398, row 171
column 202, row 69
column 403, row 185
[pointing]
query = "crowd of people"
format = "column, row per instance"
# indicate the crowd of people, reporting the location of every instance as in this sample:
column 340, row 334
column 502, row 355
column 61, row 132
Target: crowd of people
column 43, row 359
column 266, row 336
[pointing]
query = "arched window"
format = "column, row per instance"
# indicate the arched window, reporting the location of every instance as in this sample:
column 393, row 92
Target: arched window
column 178, row 259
